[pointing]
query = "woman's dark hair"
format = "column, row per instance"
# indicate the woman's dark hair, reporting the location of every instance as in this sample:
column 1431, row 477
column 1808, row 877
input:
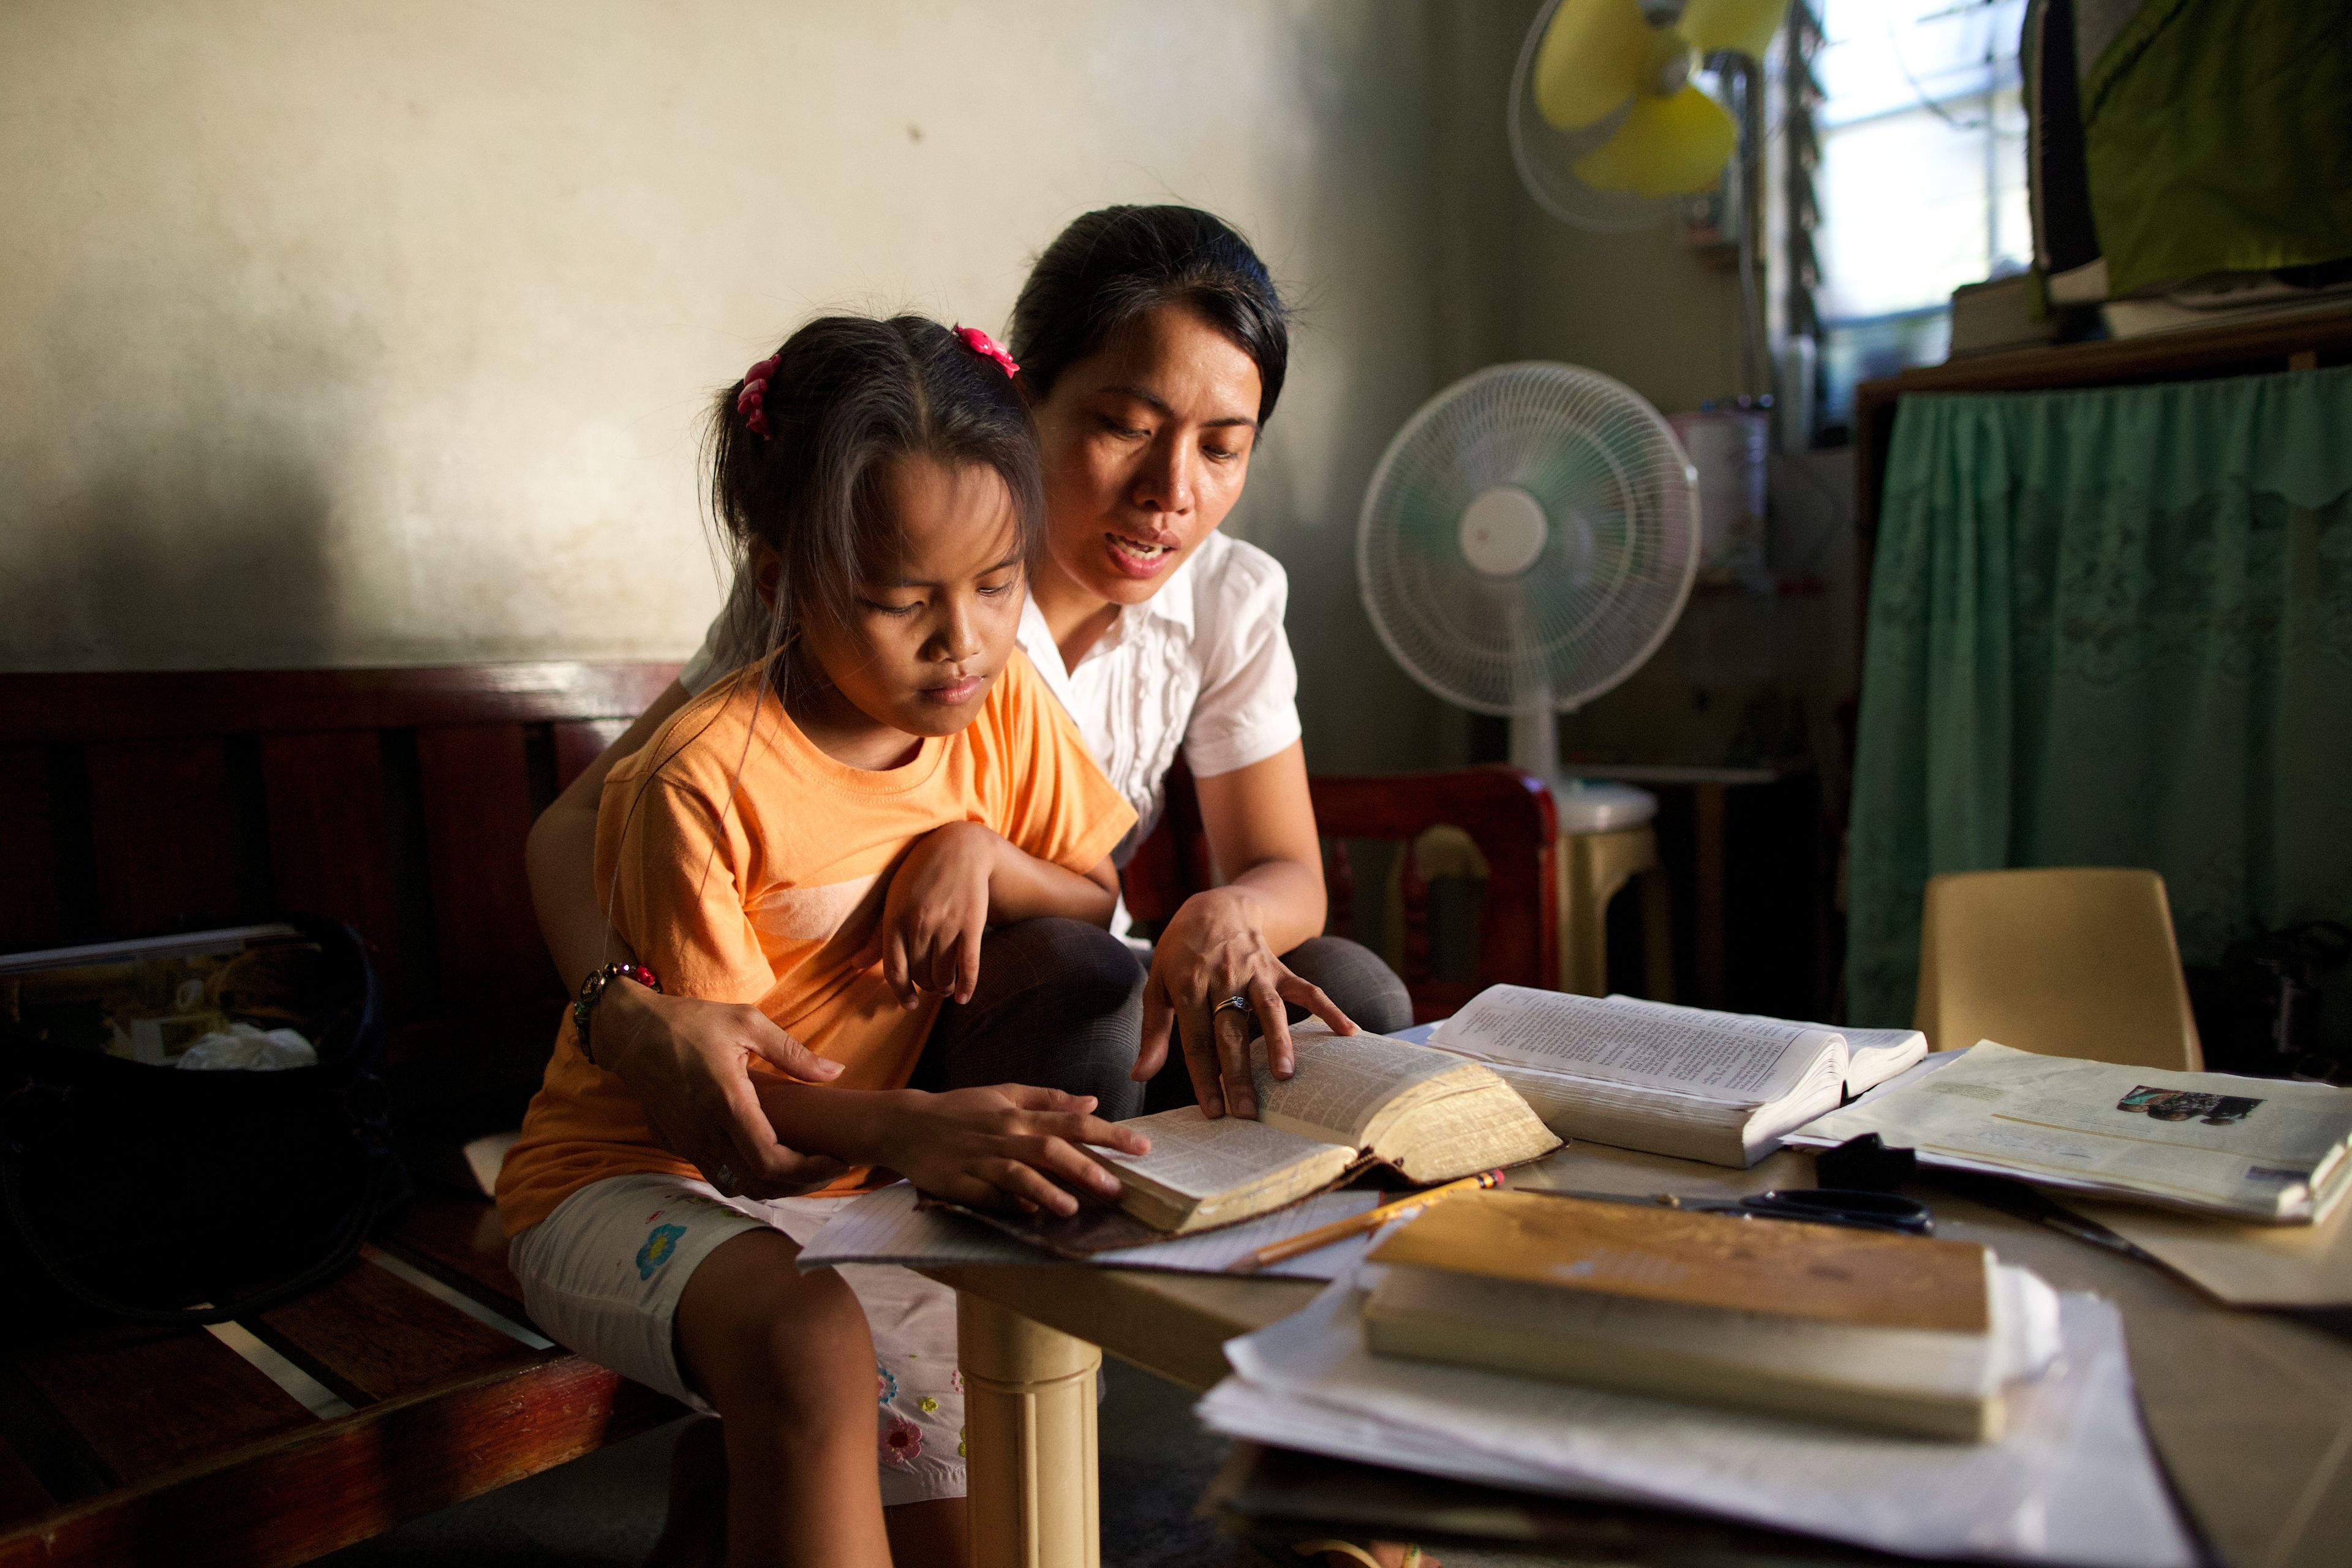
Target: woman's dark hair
column 1113, row 267
column 845, row 397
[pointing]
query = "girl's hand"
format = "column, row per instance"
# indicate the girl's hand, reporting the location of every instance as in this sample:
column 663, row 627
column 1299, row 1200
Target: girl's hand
column 1214, row 949
column 937, row 913
column 995, row 1147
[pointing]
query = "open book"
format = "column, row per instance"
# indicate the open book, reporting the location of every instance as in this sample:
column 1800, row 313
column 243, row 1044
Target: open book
column 1719, row 1087
column 1354, row 1097
column 1900, row 1333
column 2265, row 1149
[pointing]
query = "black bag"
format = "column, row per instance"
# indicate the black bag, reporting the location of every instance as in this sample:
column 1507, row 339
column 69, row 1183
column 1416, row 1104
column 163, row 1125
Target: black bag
column 165, row 1196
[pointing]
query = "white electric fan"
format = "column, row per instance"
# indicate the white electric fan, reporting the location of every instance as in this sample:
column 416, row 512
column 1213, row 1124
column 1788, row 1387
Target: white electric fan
column 1527, row 541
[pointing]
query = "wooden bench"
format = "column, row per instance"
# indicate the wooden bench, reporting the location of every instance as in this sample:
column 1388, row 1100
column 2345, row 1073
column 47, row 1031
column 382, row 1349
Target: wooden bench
column 398, row 801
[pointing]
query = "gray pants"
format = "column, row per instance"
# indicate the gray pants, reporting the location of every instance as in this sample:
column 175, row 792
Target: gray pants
column 1060, row 1003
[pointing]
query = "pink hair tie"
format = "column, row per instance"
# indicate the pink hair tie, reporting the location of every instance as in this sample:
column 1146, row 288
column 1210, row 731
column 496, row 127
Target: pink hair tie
column 752, row 402
column 981, row 343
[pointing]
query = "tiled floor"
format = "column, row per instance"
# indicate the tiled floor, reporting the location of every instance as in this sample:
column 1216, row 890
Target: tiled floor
column 605, row 1510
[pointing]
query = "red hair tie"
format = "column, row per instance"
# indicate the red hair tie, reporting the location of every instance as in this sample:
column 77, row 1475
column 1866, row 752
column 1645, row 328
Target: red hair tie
column 981, row 343
column 752, row 402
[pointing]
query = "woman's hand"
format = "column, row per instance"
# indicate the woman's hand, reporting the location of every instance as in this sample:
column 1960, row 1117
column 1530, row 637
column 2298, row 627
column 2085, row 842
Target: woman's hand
column 689, row 1063
column 1215, row 948
column 937, row 913
column 996, row 1148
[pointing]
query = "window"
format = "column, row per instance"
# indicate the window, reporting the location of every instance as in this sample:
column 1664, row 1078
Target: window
column 1920, row 181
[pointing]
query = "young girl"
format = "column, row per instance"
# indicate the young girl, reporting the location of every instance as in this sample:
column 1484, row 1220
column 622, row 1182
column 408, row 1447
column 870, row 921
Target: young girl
column 825, row 836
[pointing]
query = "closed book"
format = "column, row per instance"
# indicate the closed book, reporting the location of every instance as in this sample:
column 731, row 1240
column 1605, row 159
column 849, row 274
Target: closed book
column 1819, row 1322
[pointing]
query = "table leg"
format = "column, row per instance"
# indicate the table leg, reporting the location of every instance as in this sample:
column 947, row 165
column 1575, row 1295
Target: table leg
column 1029, row 1429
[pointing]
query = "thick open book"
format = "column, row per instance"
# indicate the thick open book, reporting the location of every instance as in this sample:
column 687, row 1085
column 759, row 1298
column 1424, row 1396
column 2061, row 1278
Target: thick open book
column 2260, row 1149
column 1719, row 1087
column 1859, row 1327
column 1354, row 1097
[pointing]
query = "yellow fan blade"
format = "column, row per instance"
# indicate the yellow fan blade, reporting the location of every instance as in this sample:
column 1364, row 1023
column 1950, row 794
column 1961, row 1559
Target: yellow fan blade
column 1668, row 147
column 1745, row 25
column 1594, row 56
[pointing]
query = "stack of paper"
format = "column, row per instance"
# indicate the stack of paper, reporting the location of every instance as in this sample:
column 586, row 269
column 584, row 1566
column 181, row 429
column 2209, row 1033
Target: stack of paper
column 886, row 1227
column 2072, row 1481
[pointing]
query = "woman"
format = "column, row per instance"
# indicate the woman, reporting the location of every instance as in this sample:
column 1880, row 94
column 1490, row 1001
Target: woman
column 1152, row 346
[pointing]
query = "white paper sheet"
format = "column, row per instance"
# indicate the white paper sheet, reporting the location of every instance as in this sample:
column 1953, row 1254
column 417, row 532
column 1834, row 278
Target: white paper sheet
column 886, row 1227
column 2074, row 1482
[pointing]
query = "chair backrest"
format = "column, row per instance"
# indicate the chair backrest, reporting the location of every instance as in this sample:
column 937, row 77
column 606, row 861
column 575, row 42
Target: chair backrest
column 1507, row 813
column 394, row 800
column 2068, row 961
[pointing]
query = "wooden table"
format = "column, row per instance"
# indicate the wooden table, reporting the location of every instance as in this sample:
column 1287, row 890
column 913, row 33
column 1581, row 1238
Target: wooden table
column 2250, row 1413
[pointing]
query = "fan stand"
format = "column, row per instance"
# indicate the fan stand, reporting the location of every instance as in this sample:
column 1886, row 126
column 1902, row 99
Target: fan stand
column 1584, row 805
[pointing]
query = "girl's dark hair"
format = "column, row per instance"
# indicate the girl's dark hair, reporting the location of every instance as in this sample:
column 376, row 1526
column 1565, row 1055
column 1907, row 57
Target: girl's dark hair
column 847, row 395
column 1112, row 267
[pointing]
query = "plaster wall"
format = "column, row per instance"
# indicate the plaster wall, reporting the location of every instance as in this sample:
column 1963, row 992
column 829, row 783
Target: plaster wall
column 350, row 334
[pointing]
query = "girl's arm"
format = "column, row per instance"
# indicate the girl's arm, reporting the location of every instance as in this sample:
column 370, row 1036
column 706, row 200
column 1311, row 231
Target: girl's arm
column 1227, row 941
column 684, row 1058
column 957, row 882
column 989, row 1148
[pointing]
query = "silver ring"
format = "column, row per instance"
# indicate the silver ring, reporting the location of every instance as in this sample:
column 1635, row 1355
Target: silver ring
column 723, row 1177
column 1240, row 1003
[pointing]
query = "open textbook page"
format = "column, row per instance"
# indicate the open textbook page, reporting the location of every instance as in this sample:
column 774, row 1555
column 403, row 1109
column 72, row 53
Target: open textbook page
column 1198, row 1168
column 1431, row 1115
column 1873, row 1055
column 2260, row 1149
column 1726, row 1056
column 2071, row 1481
column 1720, row 1087
column 1343, row 1083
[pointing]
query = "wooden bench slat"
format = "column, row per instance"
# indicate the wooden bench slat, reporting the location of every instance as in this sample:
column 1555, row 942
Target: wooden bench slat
column 30, row 913
column 148, row 1400
column 22, row 1495
column 477, row 813
column 371, row 1336
column 276, row 1503
column 459, row 1242
column 166, row 844
column 330, row 842
column 581, row 744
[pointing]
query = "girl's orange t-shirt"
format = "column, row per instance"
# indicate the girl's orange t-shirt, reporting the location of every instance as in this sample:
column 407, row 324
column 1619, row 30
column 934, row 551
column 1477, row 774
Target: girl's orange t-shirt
column 742, row 864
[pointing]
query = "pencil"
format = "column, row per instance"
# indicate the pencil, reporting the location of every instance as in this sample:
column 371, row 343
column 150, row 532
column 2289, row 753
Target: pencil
column 1371, row 1219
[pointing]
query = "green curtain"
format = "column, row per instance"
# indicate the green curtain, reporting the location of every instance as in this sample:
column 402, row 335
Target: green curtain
column 2109, row 628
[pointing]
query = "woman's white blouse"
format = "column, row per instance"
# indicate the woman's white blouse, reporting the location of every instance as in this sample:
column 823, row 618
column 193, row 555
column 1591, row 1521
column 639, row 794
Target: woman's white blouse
column 1202, row 664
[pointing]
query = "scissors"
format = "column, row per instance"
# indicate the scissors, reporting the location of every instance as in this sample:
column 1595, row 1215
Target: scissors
column 1819, row 1205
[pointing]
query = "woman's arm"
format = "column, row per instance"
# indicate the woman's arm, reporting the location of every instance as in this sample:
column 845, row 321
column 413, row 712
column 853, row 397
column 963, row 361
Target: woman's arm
column 560, row 855
column 1227, row 941
column 686, row 1061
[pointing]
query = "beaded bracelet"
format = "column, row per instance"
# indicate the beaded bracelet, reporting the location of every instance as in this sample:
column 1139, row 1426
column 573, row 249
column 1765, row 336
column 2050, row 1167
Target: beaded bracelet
column 591, row 991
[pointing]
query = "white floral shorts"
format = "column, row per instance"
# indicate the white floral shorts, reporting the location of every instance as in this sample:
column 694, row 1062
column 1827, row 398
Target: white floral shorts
column 603, row 1273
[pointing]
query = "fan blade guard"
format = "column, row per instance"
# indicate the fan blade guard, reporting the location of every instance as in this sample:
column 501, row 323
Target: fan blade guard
column 1532, row 528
